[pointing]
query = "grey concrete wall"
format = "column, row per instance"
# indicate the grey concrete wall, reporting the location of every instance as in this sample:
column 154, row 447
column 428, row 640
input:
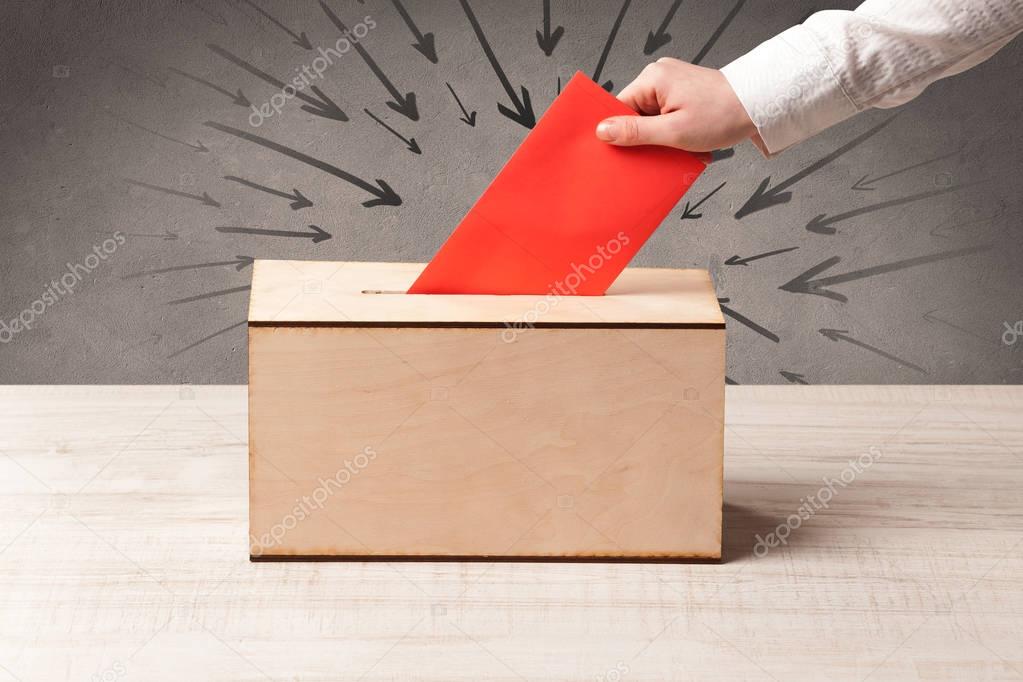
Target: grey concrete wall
column 93, row 96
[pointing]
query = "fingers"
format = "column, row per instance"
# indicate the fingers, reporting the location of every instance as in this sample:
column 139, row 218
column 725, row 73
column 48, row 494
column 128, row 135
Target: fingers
column 630, row 131
column 641, row 94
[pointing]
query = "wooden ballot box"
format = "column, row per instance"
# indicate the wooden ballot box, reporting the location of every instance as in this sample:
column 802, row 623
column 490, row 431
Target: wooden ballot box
column 383, row 424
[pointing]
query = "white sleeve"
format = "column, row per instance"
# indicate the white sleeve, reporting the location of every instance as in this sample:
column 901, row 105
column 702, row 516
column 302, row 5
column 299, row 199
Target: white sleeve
column 838, row 63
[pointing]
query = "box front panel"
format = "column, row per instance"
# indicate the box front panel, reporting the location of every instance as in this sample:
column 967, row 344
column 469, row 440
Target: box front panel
column 483, row 442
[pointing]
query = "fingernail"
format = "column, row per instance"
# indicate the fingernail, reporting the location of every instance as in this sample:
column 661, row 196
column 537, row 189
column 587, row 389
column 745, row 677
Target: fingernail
column 607, row 130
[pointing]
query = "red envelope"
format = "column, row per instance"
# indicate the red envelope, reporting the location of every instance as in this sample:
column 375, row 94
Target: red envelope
column 567, row 212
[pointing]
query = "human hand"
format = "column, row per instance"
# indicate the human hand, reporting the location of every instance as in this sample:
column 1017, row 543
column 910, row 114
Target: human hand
column 682, row 105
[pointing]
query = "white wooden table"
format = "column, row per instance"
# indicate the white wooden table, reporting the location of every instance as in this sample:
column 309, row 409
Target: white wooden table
column 123, row 555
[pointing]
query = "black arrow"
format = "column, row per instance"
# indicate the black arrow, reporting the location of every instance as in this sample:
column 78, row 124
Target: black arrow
column 608, row 85
column 929, row 316
column 403, row 104
column 722, row 154
column 238, row 97
column 742, row 319
column 203, row 198
column 410, row 142
column 382, row 191
column 212, row 294
column 735, row 260
column 321, row 105
column 207, row 338
column 239, row 263
column 198, row 146
column 166, row 235
column 766, row 198
column 821, row 224
column 297, row 199
column 523, row 113
column 655, row 40
column 424, row 41
column 158, row 80
column 687, row 212
column 299, row 39
column 214, row 16
column 718, row 32
column 806, row 284
column 466, row 116
column 317, row 235
column 548, row 40
column 729, row 381
column 864, row 185
column 794, row 378
column 843, row 335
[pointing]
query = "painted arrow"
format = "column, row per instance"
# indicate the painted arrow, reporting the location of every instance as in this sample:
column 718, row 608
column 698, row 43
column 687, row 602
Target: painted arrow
column 735, row 260
column 198, row 146
column 424, row 41
column 822, row 224
column 843, row 335
column 716, row 35
column 213, row 16
column 158, row 80
column 655, row 40
column 385, row 196
column 403, row 104
column 865, row 185
column 687, row 212
column 166, row 235
column 469, row 118
column 317, row 235
column 742, row 319
column 410, row 142
column 204, row 339
column 523, row 112
column 299, row 39
column 321, row 105
column 806, row 284
column 211, row 294
column 766, row 196
column 297, row 199
column 203, row 198
column 929, row 316
column 237, row 97
column 608, row 85
column 548, row 40
column 794, row 378
column 239, row 263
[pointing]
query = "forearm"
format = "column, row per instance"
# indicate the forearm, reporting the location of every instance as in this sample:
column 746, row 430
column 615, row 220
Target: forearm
column 838, row 63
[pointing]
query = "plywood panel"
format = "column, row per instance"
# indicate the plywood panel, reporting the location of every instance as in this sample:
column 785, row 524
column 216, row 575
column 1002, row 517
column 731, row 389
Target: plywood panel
column 567, row 442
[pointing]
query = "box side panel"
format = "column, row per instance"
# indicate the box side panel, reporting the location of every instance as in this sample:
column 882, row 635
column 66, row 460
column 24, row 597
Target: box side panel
column 438, row 442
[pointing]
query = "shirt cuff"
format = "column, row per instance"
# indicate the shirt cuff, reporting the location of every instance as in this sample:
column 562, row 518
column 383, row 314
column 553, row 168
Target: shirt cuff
column 789, row 89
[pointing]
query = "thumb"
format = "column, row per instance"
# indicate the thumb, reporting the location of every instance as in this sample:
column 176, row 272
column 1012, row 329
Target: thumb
column 629, row 131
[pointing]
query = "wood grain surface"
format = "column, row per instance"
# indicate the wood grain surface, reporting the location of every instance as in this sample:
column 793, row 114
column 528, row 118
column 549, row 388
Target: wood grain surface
column 451, row 442
column 356, row 292
column 124, row 556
